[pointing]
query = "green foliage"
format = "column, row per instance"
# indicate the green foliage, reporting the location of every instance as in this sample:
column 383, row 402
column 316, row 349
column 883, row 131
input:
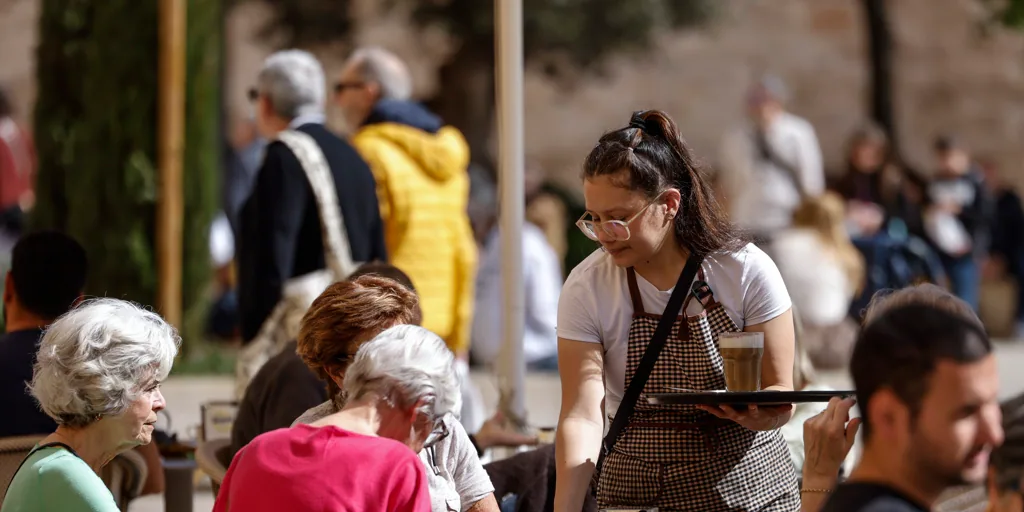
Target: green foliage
column 95, row 133
column 203, row 157
column 95, row 130
column 1008, row 12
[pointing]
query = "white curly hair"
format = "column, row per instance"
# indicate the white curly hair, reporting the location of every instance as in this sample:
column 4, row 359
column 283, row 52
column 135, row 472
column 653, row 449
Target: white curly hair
column 407, row 364
column 95, row 360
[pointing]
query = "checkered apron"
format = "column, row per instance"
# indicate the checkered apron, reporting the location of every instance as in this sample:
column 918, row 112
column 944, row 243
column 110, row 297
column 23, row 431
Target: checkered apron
column 677, row 457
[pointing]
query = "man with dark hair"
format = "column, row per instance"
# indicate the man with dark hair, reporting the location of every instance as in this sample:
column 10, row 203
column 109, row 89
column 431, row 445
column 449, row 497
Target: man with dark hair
column 46, row 279
column 959, row 219
column 926, row 383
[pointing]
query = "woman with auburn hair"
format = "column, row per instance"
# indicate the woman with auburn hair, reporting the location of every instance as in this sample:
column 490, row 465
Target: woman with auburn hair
column 339, row 322
column 664, row 236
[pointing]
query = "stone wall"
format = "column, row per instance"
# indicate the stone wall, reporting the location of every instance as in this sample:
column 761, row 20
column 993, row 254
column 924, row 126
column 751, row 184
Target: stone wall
column 948, row 76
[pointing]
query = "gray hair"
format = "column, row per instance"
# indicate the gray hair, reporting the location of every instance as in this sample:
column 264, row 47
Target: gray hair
column 772, row 86
column 98, row 358
column 379, row 66
column 406, row 364
column 293, row 80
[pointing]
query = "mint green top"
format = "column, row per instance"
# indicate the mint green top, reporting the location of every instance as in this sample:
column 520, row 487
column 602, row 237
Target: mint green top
column 52, row 479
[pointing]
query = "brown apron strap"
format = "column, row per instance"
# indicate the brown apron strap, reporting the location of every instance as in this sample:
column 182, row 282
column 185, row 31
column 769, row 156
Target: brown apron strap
column 638, row 303
column 634, row 292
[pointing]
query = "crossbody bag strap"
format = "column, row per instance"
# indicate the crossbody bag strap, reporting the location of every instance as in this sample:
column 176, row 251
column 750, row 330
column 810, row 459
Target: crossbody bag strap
column 36, row 449
column 788, row 169
column 650, row 357
column 337, row 251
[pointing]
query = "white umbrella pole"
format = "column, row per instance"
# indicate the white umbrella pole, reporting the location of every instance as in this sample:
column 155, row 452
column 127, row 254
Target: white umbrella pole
column 511, row 367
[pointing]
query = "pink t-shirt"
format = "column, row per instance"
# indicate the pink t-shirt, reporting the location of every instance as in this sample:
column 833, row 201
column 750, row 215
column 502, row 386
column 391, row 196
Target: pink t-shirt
column 324, row 469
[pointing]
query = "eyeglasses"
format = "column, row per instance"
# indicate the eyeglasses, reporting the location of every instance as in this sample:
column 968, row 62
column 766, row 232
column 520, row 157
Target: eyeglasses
column 435, row 436
column 341, row 86
column 616, row 230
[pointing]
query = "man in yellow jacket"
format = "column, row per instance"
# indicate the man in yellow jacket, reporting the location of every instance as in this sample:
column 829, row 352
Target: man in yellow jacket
column 422, row 187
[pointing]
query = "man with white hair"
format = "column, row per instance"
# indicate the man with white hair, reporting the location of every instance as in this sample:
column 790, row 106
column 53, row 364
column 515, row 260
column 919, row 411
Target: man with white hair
column 422, row 184
column 769, row 164
column 281, row 235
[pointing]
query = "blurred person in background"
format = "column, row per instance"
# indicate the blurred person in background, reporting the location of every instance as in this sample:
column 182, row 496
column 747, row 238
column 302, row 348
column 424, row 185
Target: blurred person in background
column 1006, row 472
column 770, row 164
column 245, row 152
column 282, row 239
column 46, row 280
column 914, row 444
column 542, row 283
column 823, row 272
column 97, row 375
column 400, row 388
column 873, row 186
column 1006, row 257
column 17, row 171
column 958, row 218
column 420, row 165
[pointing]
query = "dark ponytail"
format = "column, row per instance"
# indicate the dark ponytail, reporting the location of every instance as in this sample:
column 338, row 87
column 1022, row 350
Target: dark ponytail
column 650, row 155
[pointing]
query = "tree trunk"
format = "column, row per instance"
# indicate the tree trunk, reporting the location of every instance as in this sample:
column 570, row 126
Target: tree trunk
column 467, row 97
column 880, row 49
column 95, row 132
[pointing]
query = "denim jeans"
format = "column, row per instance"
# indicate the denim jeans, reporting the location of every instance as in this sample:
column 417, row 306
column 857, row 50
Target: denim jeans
column 964, row 278
column 508, row 503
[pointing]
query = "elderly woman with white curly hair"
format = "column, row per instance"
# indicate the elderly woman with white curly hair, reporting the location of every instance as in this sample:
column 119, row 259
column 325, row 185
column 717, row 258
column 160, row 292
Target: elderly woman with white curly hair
column 399, row 388
column 97, row 374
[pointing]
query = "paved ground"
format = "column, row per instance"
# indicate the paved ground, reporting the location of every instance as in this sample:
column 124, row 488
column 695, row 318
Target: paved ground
column 184, row 396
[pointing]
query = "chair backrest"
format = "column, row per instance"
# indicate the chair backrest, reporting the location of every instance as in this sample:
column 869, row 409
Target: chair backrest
column 125, row 476
column 13, row 451
column 210, row 457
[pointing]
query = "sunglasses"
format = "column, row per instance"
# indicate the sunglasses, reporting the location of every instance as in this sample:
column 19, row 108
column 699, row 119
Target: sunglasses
column 614, row 230
column 341, row 86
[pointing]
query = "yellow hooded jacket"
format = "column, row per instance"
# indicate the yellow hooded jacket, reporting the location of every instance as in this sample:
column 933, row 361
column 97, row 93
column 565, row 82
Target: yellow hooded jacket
column 423, row 189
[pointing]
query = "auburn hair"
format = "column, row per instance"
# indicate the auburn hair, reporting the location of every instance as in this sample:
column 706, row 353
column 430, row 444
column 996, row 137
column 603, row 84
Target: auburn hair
column 348, row 314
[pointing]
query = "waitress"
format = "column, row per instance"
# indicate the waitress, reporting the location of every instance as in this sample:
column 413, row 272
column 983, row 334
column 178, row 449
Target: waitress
column 653, row 212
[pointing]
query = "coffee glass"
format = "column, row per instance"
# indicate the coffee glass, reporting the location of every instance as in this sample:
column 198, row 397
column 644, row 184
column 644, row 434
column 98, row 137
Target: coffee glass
column 741, row 358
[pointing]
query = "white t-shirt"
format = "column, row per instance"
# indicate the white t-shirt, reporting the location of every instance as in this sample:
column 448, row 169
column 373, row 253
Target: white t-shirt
column 595, row 306
column 817, row 282
column 762, row 195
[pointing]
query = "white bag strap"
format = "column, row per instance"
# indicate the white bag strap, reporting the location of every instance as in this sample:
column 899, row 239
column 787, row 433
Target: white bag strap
column 337, row 252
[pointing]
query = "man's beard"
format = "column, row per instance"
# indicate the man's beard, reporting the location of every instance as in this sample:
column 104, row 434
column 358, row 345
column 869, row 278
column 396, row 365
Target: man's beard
column 936, row 472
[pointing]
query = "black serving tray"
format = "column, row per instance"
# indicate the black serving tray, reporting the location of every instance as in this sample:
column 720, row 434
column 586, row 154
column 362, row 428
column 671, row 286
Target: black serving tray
column 743, row 398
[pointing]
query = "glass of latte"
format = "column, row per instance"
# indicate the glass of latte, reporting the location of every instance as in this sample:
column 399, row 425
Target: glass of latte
column 741, row 357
